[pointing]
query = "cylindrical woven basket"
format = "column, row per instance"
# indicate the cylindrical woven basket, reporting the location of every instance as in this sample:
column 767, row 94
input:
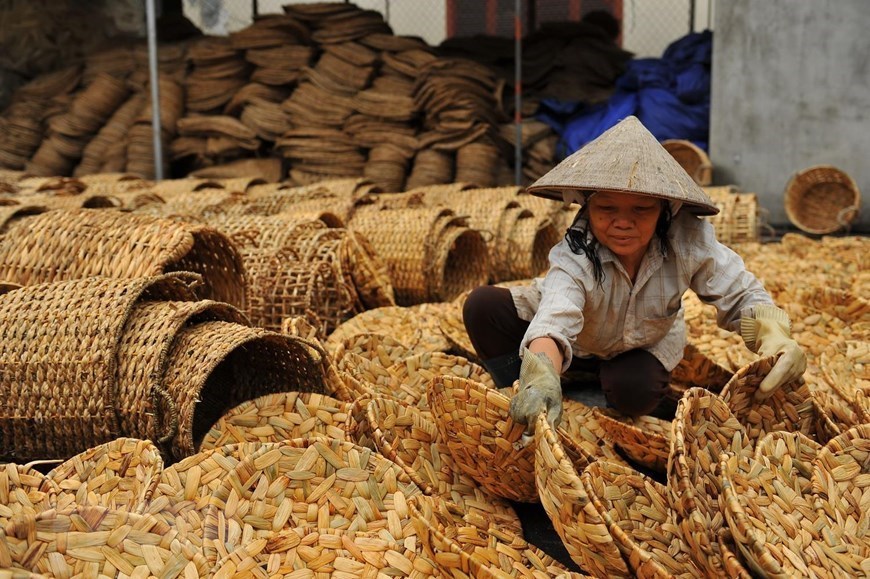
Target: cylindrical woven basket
column 460, row 263
column 636, row 511
column 822, row 199
column 704, row 429
column 95, row 541
column 409, row 437
column 531, row 240
column 645, row 439
column 369, row 272
column 462, row 548
column 567, row 503
column 282, row 416
column 315, row 483
column 692, row 158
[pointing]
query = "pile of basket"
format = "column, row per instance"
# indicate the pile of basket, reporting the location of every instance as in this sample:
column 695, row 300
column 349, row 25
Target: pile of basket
column 739, row 219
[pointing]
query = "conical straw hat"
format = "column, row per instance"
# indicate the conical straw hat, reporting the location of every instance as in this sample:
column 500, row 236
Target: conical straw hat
column 626, row 158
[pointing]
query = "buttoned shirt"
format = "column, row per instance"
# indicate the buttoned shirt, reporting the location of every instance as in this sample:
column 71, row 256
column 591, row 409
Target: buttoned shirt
column 590, row 320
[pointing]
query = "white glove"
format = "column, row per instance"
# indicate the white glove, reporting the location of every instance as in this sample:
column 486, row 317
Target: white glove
column 769, row 334
column 540, row 391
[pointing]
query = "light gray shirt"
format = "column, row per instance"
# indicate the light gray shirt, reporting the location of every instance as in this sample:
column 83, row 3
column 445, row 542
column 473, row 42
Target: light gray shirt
column 586, row 319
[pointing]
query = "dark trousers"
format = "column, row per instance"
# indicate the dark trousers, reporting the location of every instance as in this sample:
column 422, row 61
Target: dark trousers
column 634, row 382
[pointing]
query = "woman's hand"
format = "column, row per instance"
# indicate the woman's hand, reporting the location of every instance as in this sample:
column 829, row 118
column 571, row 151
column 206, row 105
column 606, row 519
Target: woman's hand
column 769, row 334
column 540, row 389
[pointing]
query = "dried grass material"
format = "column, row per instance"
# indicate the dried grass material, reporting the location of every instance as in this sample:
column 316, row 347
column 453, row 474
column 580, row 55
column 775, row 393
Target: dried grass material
column 323, row 553
column 723, row 347
column 582, row 425
column 369, row 273
column 696, row 369
column 486, row 444
column 377, row 348
column 704, row 429
column 461, row 262
column 453, row 328
column 636, row 511
column 282, row 416
column 415, row 328
column 24, row 491
column 215, row 366
column 418, row 370
column 120, row 475
column 75, row 327
column 409, row 437
column 183, row 490
column 645, row 439
column 119, row 245
column 309, row 484
column 464, row 548
column 96, row 541
column 10, row 213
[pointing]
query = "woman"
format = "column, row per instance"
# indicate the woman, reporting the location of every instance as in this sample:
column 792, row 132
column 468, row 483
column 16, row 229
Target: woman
column 611, row 302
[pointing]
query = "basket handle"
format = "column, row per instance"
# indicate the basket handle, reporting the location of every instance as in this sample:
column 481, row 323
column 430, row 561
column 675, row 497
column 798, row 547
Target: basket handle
column 842, row 213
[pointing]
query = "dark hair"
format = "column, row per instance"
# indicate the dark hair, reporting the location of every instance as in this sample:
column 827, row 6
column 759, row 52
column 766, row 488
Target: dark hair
column 582, row 242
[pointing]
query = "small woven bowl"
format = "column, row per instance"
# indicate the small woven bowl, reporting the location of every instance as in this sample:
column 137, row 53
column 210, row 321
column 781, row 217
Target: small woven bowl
column 704, row 429
column 485, row 442
column 309, row 484
column 282, row 416
column 120, row 475
column 636, row 511
column 567, row 503
column 645, row 439
column 463, row 549
column 409, row 437
column 24, row 491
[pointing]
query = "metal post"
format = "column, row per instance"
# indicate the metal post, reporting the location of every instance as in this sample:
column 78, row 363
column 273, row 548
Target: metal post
column 518, row 92
column 691, row 15
column 150, row 16
column 255, row 9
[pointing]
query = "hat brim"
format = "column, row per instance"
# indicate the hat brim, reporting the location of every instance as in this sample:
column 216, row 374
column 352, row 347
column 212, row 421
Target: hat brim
column 555, row 193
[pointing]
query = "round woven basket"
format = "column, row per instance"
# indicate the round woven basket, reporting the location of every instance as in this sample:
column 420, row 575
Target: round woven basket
column 704, row 429
column 120, row 475
column 696, row 369
column 582, row 425
column 379, row 348
column 92, row 541
column 282, row 416
column 691, row 158
column 636, row 511
column 417, row 330
column 461, row 263
column 567, row 503
column 462, row 548
column 645, row 439
column 822, row 199
column 409, row 437
column 312, row 484
column 24, row 491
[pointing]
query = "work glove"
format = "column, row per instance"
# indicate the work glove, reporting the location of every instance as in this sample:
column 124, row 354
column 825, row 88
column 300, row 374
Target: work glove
column 769, row 334
column 540, row 391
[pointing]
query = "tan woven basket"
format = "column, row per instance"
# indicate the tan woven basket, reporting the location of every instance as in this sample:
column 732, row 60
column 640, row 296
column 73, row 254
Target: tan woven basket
column 691, row 158
column 530, row 242
column 636, row 511
column 416, row 329
column 409, row 437
column 96, row 541
column 379, row 348
column 453, row 328
column 567, row 503
column 24, row 491
column 486, row 444
column 582, row 425
column 704, row 429
column 462, row 548
column 739, row 219
column 645, row 439
column 313, row 484
column 822, row 199
column 282, row 416
column 697, row 369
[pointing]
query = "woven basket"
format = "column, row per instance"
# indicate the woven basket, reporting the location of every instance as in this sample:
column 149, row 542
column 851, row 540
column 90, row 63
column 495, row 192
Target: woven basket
column 282, row 416
column 822, row 199
column 462, row 548
column 704, row 429
column 691, row 158
column 582, row 425
column 696, row 369
column 409, row 437
column 567, row 503
column 417, row 330
column 460, row 263
column 119, row 245
column 415, row 372
column 96, row 541
column 739, row 218
column 486, row 444
column 530, row 242
column 453, row 328
column 645, row 439
column 216, row 366
column 76, row 326
column 636, row 511
column 379, row 348
column 369, row 272
column 789, row 408
column 312, row 484
column 24, row 491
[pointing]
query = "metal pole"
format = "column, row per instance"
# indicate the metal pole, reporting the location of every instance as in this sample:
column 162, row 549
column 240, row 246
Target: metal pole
column 518, row 92
column 691, row 15
column 255, row 9
column 150, row 16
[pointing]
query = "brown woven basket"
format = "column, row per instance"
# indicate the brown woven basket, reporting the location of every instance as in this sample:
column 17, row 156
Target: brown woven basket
column 636, row 511
column 282, row 416
column 645, row 439
column 704, row 429
column 567, row 503
column 822, row 199
column 379, row 348
column 24, row 491
column 460, row 263
column 453, row 328
column 409, row 437
column 95, row 541
column 415, row 329
column 697, row 369
column 462, row 548
column 691, row 158
column 369, row 272
column 313, row 484
column 582, row 425
column 530, row 242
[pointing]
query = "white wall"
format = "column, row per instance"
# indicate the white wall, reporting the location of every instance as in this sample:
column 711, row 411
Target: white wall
column 649, row 26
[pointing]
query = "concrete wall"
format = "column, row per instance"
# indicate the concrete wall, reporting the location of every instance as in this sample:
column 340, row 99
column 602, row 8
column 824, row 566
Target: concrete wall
column 791, row 89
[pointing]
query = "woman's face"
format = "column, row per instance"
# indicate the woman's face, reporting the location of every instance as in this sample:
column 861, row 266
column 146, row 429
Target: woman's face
column 624, row 223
